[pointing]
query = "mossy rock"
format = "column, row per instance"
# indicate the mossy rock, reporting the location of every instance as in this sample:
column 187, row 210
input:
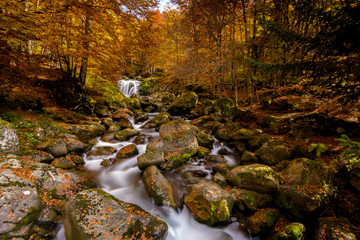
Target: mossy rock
column 258, row 140
column 183, row 104
column 262, row 221
column 150, row 158
column 248, row 158
column 126, row 134
column 273, row 152
column 158, row 187
column 209, row 203
column 227, row 108
column 332, row 228
column 127, row 151
column 242, row 134
column 250, row 201
column 64, row 163
column 56, row 147
column 205, row 140
column 255, row 177
column 9, row 140
column 95, row 214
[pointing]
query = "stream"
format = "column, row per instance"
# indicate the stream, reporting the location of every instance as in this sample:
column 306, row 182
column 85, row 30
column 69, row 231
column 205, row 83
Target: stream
column 123, row 180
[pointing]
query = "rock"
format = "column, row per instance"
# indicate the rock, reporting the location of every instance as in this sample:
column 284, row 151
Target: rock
column 331, row 228
column 183, row 104
column 355, row 178
column 86, row 130
column 247, row 200
column 203, row 152
column 258, row 140
column 142, row 117
column 95, row 214
column 74, row 145
column 158, row 120
column 292, row 231
column 273, row 152
column 219, row 179
column 150, row 158
column 9, row 140
column 108, row 122
column 100, row 151
column 40, row 156
column 123, row 113
column 223, row 151
column 200, row 121
column 227, row 109
column 10, row 161
column 248, row 158
column 209, row 203
column 124, row 123
column 158, row 187
column 205, row 140
column 240, row 146
column 242, row 134
column 262, row 221
column 348, row 205
column 255, row 177
column 78, row 160
column 305, row 189
column 222, row 168
column 126, row 134
column 56, row 147
column 64, row 163
column 127, row 151
column 102, row 110
column 215, row 158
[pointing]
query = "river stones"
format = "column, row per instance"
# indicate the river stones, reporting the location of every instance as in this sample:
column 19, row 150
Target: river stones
column 273, row 152
column 95, row 214
column 158, row 120
column 127, row 151
column 74, row 145
column 9, row 140
column 126, row 134
column 306, row 188
column 40, row 156
column 247, row 200
column 183, row 104
column 158, row 187
column 86, row 130
column 242, row 134
column 262, row 221
column 209, row 203
column 291, row 231
column 150, row 158
column 56, row 147
column 141, row 117
column 255, row 177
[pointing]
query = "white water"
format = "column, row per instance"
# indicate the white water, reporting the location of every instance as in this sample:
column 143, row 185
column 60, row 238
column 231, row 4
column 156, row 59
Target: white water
column 129, row 87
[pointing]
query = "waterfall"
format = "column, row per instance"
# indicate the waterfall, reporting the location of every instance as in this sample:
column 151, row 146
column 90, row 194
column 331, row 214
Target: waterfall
column 129, row 87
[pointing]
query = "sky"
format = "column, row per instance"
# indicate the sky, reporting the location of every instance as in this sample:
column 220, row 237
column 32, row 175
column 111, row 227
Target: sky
column 162, row 4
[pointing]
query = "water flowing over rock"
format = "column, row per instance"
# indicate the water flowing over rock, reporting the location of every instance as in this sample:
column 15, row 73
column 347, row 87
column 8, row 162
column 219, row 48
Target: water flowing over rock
column 95, row 214
column 9, row 140
column 209, row 203
column 129, row 87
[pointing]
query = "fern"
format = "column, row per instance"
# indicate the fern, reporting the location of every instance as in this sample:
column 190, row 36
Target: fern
column 352, row 147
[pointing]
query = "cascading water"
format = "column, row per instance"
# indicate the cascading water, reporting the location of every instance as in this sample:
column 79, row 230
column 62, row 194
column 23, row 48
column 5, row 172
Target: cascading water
column 123, row 180
column 129, row 87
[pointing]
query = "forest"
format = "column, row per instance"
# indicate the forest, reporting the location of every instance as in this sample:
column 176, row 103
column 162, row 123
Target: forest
column 224, row 119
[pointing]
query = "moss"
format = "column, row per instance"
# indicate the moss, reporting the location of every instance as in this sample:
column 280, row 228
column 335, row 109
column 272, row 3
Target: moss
column 30, row 218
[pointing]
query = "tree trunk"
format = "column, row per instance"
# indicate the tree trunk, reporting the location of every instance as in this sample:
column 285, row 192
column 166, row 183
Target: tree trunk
column 86, row 46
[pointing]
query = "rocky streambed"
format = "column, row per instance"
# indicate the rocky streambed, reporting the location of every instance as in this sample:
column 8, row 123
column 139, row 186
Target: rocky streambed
column 156, row 176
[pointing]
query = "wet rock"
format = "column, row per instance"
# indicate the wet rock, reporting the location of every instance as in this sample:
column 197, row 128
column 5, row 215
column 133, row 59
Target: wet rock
column 201, row 120
column 209, row 203
column 273, row 152
column 124, row 123
column 227, row 109
column 305, row 189
column 123, row 113
column 40, row 156
column 74, row 145
column 223, row 151
column 108, row 122
column 127, row 151
column 142, row 117
column 9, row 140
column 64, row 163
column 258, row 140
column 355, row 178
column 334, row 228
column 183, row 104
column 203, row 152
column 101, row 151
column 222, row 168
column 240, row 146
column 158, row 187
column 215, row 158
column 56, row 147
column 262, row 221
column 292, row 231
column 102, row 110
column 78, row 160
column 150, row 158
column 247, row 200
column 205, row 140
column 255, row 177
column 126, row 134
column 94, row 214
column 158, row 120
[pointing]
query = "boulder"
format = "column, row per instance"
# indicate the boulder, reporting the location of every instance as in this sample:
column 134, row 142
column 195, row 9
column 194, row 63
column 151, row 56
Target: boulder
column 56, row 147
column 74, row 145
column 273, row 152
column 291, row 231
column 101, row 151
column 262, row 221
column 225, row 132
column 255, row 177
column 355, row 178
column 227, row 108
column 247, row 200
column 158, row 187
column 127, row 151
column 158, row 120
column 64, row 163
column 306, row 188
column 258, row 140
column 332, row 228
column 95, row 214
column 150, row 159
column 219, row 179
column 9, row 140
column 242, row 134
column 248, row 158
column 205, row 140
column 141, row 117
column 40, row 156
column 126, row 134
column 209, row 203
column 183, row 104
column 85, row 130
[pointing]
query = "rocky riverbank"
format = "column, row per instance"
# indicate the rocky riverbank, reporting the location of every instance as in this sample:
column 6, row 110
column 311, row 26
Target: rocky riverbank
column 284, row 184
